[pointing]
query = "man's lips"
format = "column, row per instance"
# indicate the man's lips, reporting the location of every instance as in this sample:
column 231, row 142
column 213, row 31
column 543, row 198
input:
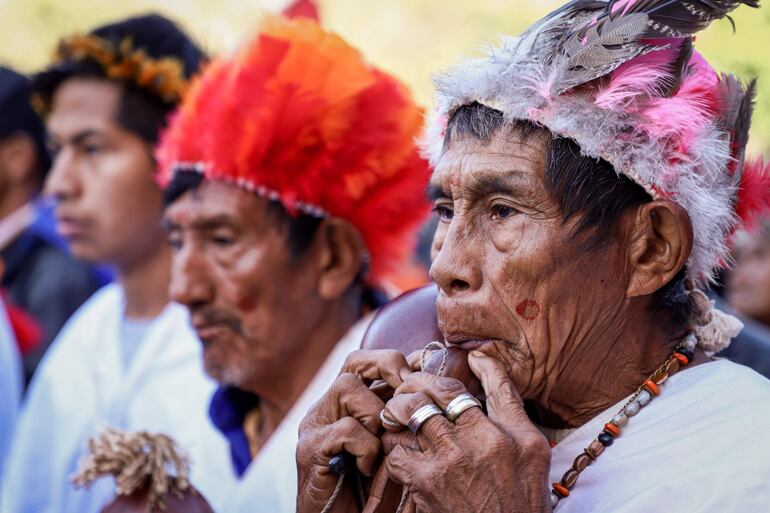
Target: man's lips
column 69, row 227
column 209, row 332
column 469, row 342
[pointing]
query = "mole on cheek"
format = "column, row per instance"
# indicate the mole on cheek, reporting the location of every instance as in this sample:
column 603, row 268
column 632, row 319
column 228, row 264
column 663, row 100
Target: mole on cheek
column 529, row 309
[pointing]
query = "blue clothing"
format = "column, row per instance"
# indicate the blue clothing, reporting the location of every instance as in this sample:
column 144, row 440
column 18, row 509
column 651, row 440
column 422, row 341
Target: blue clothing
column 228, row 409
column 45, row 281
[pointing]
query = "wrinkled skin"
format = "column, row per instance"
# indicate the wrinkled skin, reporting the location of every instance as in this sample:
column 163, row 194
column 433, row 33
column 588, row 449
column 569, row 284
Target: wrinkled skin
column 267, row 318
column 748, row 288
column 544, row 320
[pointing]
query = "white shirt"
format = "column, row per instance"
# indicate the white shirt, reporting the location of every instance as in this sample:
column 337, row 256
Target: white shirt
column 270, row 482
column 10, row 385
column 702, row 446
column 83, row 386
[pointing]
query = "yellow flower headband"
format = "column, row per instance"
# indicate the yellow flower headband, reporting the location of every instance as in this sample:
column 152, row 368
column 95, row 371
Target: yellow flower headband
column 163, row 77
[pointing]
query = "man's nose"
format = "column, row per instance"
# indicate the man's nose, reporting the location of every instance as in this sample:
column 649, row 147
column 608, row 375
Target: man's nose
column 63, row 181
column 456, row 269
column 192, row 283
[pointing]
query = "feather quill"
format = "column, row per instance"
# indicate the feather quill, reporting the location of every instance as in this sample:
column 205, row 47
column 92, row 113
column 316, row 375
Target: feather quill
column 623, row 30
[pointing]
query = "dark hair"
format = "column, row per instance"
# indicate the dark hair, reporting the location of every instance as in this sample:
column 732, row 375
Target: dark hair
column 584, row 187
column 139, row 110
column 300, row 228
column 18, row 117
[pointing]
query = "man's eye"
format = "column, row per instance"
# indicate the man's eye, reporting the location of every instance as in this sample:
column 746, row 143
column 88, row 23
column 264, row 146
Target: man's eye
column 222, row 240
column 175, row 243
column 502, row 211
column 444, row 213
column 92, row 149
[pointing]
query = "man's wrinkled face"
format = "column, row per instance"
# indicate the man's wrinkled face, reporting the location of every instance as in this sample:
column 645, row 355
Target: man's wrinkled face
column 250, row 300
column 108, row 204
column 749, row 282
column 514, row 281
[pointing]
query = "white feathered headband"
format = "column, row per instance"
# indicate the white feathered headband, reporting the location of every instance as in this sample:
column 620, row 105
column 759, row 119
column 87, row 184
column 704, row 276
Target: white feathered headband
column 621, row 78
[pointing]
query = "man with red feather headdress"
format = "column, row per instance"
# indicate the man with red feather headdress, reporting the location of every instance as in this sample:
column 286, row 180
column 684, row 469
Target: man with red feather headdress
column 294, row 188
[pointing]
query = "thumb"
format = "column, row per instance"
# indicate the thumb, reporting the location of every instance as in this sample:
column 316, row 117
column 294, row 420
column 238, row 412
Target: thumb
column 504, row 404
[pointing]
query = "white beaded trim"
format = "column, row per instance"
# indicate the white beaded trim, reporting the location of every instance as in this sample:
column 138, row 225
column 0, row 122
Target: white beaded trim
column 259, row 190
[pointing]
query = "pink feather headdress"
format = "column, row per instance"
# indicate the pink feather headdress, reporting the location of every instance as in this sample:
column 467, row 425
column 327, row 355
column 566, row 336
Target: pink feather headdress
column 621, row 78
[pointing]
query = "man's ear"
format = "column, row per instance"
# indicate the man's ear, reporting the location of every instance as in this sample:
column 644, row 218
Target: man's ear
column 341, row 249
column 660, row 242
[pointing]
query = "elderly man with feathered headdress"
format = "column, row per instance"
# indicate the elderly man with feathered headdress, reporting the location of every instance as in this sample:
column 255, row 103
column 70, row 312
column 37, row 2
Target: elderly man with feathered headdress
column 294, row 188
column 589, row 176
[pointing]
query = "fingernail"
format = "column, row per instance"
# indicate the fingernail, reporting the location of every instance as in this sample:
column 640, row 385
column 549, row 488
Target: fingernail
column 477, row 354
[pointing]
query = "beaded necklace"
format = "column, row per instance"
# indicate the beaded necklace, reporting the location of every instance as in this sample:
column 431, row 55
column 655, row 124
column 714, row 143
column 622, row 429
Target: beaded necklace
column 681, row 357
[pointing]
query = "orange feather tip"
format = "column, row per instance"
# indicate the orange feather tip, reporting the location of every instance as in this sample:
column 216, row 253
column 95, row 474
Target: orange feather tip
column 299, row 116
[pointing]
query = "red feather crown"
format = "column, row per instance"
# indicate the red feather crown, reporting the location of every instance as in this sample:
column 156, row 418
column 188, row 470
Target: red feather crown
column 299, row 117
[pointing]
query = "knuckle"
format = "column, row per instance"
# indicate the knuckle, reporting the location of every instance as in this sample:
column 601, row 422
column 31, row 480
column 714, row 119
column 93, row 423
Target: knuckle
column 348, row 425
column 420, row 398
column 352, row 358
column 345, row 382
column 534, row 445
column 391, row 356
column 449, row 386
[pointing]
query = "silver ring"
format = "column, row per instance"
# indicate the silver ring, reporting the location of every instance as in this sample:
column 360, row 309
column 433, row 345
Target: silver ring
column 459, row 404
column 386, row 422
column 422, row 415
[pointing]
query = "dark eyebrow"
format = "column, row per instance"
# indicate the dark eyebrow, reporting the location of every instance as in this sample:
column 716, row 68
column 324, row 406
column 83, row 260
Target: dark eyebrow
column 508, row 183
column 205, row 224
column 82, row 136
column 52, row 140
column 483, row 185
column 437, row 192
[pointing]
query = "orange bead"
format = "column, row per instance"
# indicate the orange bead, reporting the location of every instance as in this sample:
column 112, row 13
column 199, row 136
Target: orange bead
column 652, row 387
column 553, row 443
column 612, row 429
column 560, row 490
column 682, row 358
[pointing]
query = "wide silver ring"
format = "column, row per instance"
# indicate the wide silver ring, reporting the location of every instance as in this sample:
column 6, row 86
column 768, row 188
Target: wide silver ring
column 386, row 422
column 460, row 404
column 422, row 415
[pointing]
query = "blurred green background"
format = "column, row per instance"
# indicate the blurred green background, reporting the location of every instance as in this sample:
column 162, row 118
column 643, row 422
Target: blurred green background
column 411, row 38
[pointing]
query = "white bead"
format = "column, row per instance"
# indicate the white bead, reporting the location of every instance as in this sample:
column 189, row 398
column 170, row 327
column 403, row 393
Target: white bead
column 643, row 398
column 690, row 342
column 620, row 419
column 554, row 500
column 632, row 409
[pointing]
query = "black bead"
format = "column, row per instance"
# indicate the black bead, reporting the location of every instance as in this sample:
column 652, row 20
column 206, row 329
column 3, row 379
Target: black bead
column 341, row 462
column 687, row 353
column 606, row 439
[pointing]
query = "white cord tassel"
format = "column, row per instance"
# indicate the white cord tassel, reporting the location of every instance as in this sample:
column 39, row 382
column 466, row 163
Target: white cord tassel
column 714, row 328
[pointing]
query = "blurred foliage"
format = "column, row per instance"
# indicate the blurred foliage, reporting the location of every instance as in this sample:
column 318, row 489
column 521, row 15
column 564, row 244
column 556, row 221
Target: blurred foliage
column 411, row 38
